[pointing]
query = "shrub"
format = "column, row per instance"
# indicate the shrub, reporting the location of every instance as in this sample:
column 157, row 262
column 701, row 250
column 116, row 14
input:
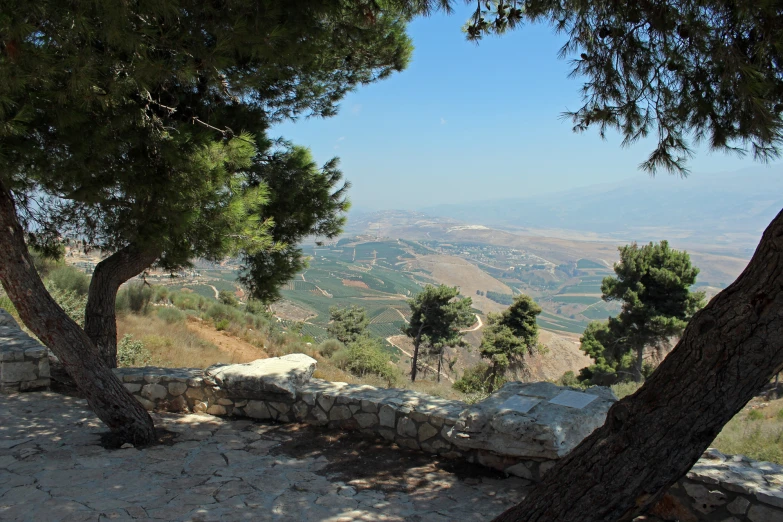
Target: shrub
column 475, row 380
column 132, row 352
column 69, row 279
column 569, row 378
column 227, row 298
column 624, row 389
column 171, row 315
column 139, row 297
column 161, row 294
column 329, row 347
column 755, row 415
column 217, row 312
column 222, row 324
column 365, row 356
column 185, row 301
column 254, row 306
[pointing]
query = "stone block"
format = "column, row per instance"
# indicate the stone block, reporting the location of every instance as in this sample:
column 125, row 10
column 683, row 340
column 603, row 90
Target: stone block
column 761, row 513
column 36, row 352
column 340, row 412
column 34, row 385
column 320, row 415
column 216, row 409
column 738, row 506
column 427, row 431
column 44, row 370
column 148, row 405
column 418, row 416
column 406, row 427
column 259, row 379
column 257, row 410
column 177, row 388
column 18, row 371
column 325, row 402
column 300, row 410
column 11, row 355
column 544, row 467
column 308, row 398
column 200, row 407
column 388, row 416
column 407, row 443
column 152, row 379
column 154, row 391
column 225, row 402
column 773, row 497
column 366, row 420
column 369, row 406
column 194, row 393
column 280, row 407
column 132, row 387
column 705, row 500
column 520, row 470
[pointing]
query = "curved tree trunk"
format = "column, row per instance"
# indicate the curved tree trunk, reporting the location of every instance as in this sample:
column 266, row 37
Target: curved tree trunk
column 100, row 315
column 105, row 394
column 728, row 352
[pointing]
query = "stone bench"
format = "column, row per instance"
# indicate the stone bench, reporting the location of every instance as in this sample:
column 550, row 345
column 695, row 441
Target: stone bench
column 24, row 362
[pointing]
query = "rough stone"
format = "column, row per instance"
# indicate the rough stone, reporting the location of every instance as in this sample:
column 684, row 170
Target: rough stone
column 154, row 391
column 427, row 431
column 132, row 387
column 194, row 393
column 177, row 388
column 259, row 379
column 148, row 405
column 200, row 407
column 320, row 415
column 369, row 407
column 705, row 500
column 34, row 385
column 340, row 412
column 325, row 402
column 738, row 506
column 44, row 370
column 216, row 409
column 520, row 470
column 520, row 420
column 771, row 496
column 257, row 410
column 366, row 420
column 18, row 371
column 225, row 402
column 760, row 513
column 406, row 427
column 387, row 416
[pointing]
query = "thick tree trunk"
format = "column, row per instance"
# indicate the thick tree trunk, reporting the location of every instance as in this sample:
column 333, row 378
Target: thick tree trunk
column 414, row 361
column 728, row 352
column 100, row 315
column 105, row 394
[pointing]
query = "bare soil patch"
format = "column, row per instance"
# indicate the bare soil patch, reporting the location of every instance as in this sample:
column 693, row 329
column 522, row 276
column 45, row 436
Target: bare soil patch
column 288, row 310
column 354, row 283
column 238, row 350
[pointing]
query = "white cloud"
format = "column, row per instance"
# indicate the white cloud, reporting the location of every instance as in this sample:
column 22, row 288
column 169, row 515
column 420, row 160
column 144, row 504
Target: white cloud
column 443, row 121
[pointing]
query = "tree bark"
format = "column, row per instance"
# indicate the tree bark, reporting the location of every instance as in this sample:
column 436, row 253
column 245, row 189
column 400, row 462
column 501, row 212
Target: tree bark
column 638, row 376
column 104, row 392
column 100, row 315
column 730, row 350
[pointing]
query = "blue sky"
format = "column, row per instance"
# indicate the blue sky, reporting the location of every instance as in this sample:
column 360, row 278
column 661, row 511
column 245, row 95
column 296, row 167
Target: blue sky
column 467, row 122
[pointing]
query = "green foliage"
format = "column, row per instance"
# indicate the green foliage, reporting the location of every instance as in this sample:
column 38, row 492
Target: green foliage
column 365, row 356
column 509, row 337
column 139, row 297
column 437, row 315
column 329, row 347
column 504, row 299
column 348, row 324
column 476, row 379
column 132, row 353
column 569, row 379
column 161, row 294
column 222, row 324
column 69, row 279
column 653, row 283
column 228, row 298
column 48, row 260
column 171, row 315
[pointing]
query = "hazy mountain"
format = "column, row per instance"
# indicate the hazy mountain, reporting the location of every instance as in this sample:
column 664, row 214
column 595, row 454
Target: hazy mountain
column 724, row 209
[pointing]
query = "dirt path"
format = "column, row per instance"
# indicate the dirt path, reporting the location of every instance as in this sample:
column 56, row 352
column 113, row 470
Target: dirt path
column 477, row 327
column 240, row 350
column 217, row 294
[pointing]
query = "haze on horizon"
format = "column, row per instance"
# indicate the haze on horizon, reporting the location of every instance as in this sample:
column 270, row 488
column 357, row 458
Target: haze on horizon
column 467, row 123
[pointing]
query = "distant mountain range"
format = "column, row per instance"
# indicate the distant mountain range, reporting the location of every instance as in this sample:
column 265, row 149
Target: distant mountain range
column 728, row 211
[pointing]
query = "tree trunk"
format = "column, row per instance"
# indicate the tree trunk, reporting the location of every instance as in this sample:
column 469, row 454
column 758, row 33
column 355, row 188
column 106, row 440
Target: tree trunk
column 638, row 376
column 100, row 315
column 415, row 358
column 728, row 352
column 440, row 363
column 105, row 394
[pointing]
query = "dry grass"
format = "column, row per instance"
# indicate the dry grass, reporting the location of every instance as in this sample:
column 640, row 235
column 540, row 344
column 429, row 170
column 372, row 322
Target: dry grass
column 756, row 432
column 171, row 345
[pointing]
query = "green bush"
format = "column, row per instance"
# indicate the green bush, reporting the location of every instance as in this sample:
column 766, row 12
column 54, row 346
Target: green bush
column 365, row 356
column 755, row 415
column 254, row 306
column 329, row 347
column 222, row 324
column 161, row 294
column 132, row 353
column 218, row 311
column 139, row 297
column 171, row 315
column 569, row 378
column 227, row 298
column 475, row 380
column 185, row 301
column 69, row 279
column 624, row 389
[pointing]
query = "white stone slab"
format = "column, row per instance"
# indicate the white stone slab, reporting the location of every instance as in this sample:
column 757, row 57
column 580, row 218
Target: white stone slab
column 519, row 404
column 573, row 399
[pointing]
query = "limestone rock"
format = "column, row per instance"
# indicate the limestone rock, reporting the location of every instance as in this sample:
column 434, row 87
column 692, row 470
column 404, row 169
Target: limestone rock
column 264, row 377
column 538, row 420
column 704, row 500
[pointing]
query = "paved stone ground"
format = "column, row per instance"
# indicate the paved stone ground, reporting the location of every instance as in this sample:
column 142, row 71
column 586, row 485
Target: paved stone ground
column 53, row 468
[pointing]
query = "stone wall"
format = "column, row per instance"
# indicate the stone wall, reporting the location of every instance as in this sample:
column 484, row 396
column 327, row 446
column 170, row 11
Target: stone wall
column 24, row 362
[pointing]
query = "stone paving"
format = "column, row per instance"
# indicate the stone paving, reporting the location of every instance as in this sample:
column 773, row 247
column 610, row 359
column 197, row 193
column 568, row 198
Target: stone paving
column 53, row 467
